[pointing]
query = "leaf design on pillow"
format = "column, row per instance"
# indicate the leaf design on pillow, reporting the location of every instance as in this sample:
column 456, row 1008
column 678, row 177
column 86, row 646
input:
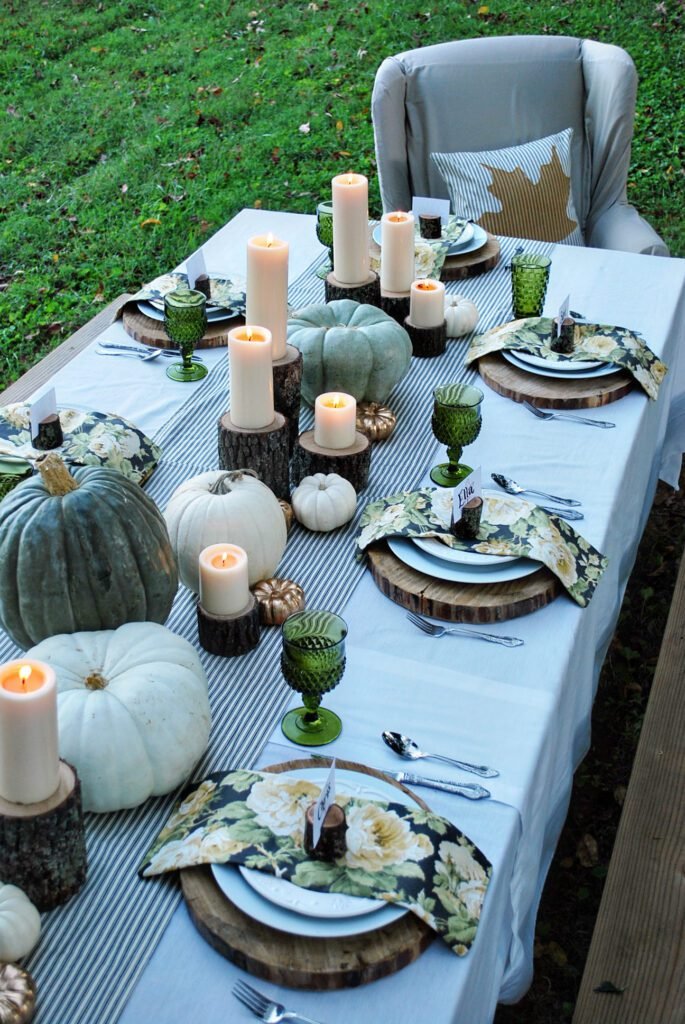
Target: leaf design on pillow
column 530, row 209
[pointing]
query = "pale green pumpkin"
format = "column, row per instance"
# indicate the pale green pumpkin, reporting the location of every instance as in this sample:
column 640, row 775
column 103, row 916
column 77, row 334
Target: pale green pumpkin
column 349, row 347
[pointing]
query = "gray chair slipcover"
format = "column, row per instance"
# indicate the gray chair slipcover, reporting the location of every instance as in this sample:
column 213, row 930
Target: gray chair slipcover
column 490, row 93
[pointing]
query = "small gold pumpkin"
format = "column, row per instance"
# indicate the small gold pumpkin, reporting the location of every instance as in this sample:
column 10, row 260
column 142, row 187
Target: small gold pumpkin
column 17, row 995
column 374, row 420
column 287, row 512
column 277, row 599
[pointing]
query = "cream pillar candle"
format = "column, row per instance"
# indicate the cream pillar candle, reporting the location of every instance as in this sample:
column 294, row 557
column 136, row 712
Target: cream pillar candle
column 397, row 252
column 267, row 288
column 427, row 303
column 335, row 419
column 29, row 748
column 224, row 587
column 350, row 228
column 251, row 394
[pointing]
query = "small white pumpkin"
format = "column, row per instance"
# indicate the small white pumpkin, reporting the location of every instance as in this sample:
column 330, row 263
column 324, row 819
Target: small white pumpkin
column 461, row 315
column 226, row 507
column 133, row 710
column 324, row 501
column 19, row 924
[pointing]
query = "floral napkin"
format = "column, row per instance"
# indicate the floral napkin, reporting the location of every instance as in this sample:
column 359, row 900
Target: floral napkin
column 90, row 439
column 509, row 526
column 225, row 294
column 401, row 854
column 592, row 341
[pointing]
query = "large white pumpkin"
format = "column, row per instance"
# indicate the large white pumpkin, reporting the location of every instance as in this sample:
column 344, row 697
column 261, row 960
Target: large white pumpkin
column 226, row 507
column 133, row 710
column 19, row 924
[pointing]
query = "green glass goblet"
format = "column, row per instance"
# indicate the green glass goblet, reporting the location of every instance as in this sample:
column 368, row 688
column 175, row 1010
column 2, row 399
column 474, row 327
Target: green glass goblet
column 324, row 225
column 529, row 278
column 312, row 662
column 456, row 422
column 185, row 322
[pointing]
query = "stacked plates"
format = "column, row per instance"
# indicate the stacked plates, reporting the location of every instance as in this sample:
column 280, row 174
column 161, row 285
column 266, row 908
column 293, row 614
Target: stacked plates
column 472, row 238
column 564, row 369
column 154, row 307
column 279, row 904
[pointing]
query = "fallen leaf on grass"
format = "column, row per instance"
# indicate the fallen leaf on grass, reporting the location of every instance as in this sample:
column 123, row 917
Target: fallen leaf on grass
column 149, row 222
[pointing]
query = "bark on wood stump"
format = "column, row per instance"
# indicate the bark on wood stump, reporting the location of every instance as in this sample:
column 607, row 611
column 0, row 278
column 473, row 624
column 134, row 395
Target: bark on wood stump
column 264, row 450
column 396, row 305
column 49, row 433
column 352, row 463
column 287, row 390
column 367, row 292
column 43, row 845
column 427, row 342
column 468, row 526
column 229, row 635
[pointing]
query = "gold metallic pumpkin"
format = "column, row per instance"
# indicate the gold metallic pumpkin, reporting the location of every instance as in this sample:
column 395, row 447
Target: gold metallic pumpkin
column 17, row 995
column 374, row 420
column 277, row 599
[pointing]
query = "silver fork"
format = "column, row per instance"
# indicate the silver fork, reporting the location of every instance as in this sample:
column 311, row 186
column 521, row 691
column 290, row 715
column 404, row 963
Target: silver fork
column 433, row 630
column 264, row 1008
column 542, row 415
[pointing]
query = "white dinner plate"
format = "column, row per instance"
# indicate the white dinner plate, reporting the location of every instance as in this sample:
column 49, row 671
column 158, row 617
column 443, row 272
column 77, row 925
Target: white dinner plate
column 561, row 365
column 412, row 556
column 473, row 237
column 238, row 886
column 434, row 547
column 603, row 371
column 213, row 315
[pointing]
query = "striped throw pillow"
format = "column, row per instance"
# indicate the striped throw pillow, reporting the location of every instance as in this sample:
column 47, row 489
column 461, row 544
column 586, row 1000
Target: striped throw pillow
column 524, row 191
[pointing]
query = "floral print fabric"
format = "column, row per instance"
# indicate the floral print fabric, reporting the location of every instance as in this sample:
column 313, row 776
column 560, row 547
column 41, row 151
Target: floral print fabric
column 509, row 526
column 592, row 341
column 401, row 854
column 90, row 439
column 225, row 294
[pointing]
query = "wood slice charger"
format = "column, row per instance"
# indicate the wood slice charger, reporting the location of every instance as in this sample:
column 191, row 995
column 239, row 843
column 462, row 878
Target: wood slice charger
column 293, row 960
column 552, row 392
column 147, row 331
column 457, row 268
column 459, row 602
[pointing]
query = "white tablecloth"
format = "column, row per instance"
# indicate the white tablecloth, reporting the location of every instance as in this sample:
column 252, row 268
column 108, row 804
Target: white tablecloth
column 524, row 710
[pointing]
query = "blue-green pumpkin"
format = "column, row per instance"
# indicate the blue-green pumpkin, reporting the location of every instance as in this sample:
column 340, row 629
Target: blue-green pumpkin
column 351, row 347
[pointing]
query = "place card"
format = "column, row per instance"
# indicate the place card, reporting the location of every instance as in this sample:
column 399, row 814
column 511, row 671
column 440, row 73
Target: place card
column 467, row 490
column 426, row 204
column 195, row 267
column 562, row 314
column 322, row 805
column 42, row 407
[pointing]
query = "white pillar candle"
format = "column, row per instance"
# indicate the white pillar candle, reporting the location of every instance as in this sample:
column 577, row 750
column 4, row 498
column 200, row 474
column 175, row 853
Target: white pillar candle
column 427, row 303
column 267, row 288
column 397, row 251
column 350, row 228
column 29, row 748
column 335, row 420
column 251, row 395
column 224, row 587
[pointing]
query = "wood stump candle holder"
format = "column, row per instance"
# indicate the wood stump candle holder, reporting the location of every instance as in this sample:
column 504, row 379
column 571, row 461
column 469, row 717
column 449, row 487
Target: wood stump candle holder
column 427, row 342
column 396, row 305
column 264, row 450
column 229, row 635
column 368, row 292
column 287, row 389
column 49, row 433
column 43, row 845
column 352, row 463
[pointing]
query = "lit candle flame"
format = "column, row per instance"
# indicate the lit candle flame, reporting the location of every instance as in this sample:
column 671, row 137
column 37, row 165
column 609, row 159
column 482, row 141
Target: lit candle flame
column 426, row 286
column 350, row 179
column 336, row 402
column 249, row 334
column 269, row 239
column 224, row 559
column 24, row 674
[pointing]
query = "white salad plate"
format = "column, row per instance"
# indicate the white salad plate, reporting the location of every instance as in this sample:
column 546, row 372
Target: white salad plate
column 412, row 556
column 553, row 369
column 213, row 315
column 473, row 237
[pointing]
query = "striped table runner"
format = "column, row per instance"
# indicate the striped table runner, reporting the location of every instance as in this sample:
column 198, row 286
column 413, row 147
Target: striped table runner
column 94, row 949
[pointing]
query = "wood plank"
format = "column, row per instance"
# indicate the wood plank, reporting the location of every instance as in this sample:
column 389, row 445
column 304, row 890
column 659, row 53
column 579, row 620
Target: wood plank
column 639, row 939
column 552, row 392
column 42, row 372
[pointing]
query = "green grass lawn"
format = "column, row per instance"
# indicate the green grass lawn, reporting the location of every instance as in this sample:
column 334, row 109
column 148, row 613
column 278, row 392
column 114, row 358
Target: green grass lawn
column 130, row 132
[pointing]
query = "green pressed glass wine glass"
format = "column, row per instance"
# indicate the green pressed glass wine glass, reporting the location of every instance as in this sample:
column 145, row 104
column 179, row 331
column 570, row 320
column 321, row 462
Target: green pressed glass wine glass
column 324, row 225
column 456, row 422
column 185, row 322
column 529, row 278
column 312, row 662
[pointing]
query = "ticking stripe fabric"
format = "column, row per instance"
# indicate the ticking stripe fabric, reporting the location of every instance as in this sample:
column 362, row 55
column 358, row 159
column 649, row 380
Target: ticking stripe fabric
column 522, row 190
column 94, row 949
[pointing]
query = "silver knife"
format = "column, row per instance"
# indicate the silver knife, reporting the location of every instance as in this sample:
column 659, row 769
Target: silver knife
column 471, row 790
column 144, row 348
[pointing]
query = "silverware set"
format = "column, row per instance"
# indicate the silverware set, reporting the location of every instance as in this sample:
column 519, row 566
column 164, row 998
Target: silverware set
column 542, row 415
column 438, row 631
column 145, row 352
column 511, row 487
column 410, row 751
column 266, row 1009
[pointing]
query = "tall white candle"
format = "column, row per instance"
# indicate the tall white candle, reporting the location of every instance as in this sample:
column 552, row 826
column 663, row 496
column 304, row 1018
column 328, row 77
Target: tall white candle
column 224, row 587
column 29, row 748
column 397, row 251
column 267, row 288
column 335, row 418
column 427, row 303
column 350, row 228
column 251, row 394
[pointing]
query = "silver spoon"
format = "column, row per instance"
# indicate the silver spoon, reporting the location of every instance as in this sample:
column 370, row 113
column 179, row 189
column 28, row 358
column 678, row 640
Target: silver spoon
column 410, row 751
column 131, row 353
column 542, row 415
column 139, row 350
column 511, row 487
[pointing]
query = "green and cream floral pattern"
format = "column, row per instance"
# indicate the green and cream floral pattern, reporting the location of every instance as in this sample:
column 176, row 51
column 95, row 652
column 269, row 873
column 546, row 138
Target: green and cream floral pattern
column 224, row 294
column 592, row 341
column 509, row 526
column 400, row 854
column 90, row 439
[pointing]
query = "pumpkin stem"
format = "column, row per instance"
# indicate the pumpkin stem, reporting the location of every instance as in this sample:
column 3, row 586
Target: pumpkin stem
column 95, row 681
column 221, row 484
column 56, row 477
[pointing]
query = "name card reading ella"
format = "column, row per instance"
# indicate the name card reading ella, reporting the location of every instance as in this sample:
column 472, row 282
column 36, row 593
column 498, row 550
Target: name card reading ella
column 467, row 490
column 322, row 805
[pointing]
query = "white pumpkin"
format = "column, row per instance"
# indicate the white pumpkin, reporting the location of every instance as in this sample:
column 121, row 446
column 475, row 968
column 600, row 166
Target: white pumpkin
column 226, row 507
column 19, row 924
column 133, row 710
column 324, row 501
column 461, row 315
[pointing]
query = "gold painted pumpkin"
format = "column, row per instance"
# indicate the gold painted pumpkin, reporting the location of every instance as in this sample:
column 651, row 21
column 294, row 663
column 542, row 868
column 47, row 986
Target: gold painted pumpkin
column 277, row 599
column 17, row 995
column 375, row 421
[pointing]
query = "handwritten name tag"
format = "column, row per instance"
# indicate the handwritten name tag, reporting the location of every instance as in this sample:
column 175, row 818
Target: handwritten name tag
column 321, row 806
column 42, row 407
column 562, row 314
column 467, row 490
